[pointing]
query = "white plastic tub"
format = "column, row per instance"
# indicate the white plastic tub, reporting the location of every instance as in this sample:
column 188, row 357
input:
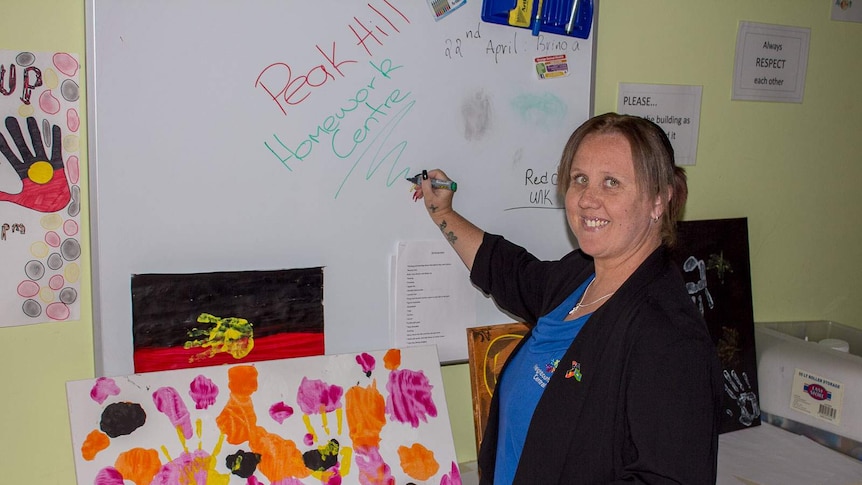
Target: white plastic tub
column 809, row 387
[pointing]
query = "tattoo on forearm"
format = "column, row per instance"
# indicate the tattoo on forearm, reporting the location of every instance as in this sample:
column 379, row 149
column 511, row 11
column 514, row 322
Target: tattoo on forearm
column 432, row 208
column 450, row 236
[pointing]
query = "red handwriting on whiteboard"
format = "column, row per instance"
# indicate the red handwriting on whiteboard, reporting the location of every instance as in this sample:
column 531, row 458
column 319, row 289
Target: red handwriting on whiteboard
column 364, row 34
column 288, row 88
column 297, row 89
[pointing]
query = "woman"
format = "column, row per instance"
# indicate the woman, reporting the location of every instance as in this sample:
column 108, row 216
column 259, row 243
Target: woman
column 618, row 381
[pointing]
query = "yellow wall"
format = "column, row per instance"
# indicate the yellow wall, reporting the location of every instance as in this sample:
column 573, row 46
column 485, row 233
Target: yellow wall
column 37, row 360
column 793, row 169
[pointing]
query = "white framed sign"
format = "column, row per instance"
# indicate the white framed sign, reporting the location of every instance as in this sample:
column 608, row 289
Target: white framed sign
column 771, row 61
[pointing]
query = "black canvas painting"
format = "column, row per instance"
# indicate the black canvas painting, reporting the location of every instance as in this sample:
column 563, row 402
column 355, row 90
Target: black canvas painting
column 714, row 258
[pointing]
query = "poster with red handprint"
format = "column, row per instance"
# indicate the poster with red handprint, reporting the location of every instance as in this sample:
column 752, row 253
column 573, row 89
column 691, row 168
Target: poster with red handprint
column 40, row 193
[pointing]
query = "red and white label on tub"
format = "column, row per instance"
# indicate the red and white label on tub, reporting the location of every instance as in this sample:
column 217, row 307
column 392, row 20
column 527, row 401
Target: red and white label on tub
column 817, row 396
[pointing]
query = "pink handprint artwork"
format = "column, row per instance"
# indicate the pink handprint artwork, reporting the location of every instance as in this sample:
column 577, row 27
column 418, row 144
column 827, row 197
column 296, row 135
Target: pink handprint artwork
column 319, row 420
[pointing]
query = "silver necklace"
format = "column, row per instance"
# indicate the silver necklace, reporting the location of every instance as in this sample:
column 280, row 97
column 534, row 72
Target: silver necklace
column 581, row 303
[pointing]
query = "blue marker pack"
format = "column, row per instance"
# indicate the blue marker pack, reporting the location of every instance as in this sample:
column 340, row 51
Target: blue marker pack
column 564, row 17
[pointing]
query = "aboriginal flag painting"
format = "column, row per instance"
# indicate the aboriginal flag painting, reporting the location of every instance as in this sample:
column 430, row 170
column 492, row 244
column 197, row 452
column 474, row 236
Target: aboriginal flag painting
column 203, row 319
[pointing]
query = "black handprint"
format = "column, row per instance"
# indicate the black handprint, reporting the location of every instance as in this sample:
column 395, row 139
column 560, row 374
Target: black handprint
column 45, row 188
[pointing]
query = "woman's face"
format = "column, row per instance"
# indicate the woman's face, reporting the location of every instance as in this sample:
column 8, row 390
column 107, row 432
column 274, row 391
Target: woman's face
column 608, row 213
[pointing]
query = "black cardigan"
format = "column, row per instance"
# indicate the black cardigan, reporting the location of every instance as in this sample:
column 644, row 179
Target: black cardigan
column 647, row 408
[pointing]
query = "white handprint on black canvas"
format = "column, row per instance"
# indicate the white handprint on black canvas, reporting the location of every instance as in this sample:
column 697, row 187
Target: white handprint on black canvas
column 745, row 398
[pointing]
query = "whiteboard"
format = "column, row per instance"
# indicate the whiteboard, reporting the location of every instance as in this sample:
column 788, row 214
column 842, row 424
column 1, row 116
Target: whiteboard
column 264, row 134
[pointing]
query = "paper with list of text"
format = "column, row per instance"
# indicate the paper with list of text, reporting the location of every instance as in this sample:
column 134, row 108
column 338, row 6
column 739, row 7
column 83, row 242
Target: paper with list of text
column 434, row 300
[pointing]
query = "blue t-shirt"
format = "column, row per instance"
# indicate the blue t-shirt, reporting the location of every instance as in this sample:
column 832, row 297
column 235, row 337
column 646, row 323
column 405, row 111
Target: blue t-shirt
column 524, row 380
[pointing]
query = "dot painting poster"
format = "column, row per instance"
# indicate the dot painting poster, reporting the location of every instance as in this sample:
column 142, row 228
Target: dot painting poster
column 40, row 194
column 367, row 418
column 230, row 317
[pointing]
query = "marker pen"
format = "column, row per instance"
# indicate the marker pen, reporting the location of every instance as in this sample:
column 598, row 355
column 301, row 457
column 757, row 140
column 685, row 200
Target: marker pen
column 444, row 184
column 435, row 183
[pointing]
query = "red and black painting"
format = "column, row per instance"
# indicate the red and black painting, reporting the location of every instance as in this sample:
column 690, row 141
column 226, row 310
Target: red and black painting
column 203, row 319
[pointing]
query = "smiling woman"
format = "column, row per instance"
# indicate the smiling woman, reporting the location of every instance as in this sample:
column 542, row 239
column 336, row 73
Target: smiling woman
column 639, row 369
column 634, row 186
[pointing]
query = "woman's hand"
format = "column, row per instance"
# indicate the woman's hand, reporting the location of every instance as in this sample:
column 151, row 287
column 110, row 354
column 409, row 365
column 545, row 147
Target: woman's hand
column 464, row 237
column 438, row 202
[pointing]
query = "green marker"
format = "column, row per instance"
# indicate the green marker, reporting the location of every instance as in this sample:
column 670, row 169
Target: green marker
column 435, row 183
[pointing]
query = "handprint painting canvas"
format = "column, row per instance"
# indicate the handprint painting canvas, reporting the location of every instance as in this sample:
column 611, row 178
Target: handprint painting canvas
column 713, row 256
column 228, row 317
column 367, row 418
column 40, row 187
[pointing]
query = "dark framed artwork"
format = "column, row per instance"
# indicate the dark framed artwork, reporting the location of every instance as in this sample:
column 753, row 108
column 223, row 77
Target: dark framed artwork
column 713, row 256
column 203, row 319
